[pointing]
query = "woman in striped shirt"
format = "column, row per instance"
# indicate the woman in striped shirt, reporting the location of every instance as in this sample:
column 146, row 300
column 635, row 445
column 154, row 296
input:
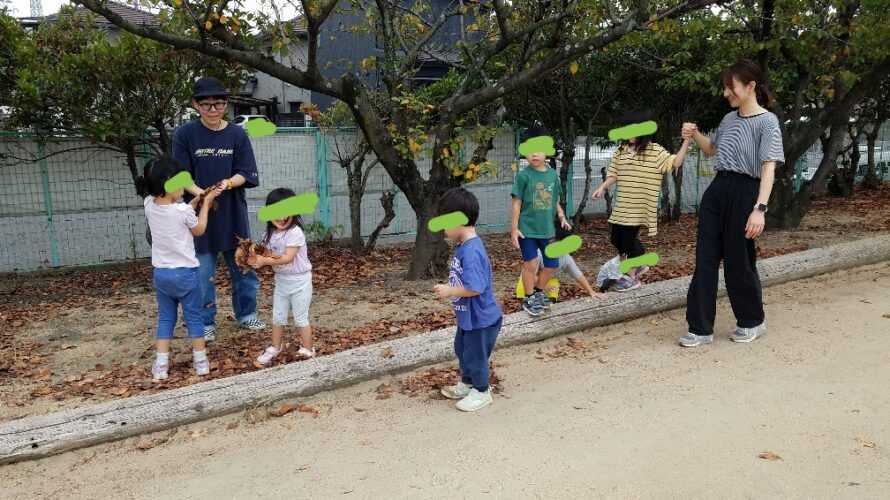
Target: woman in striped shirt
column 748, row 145
column 638, row 166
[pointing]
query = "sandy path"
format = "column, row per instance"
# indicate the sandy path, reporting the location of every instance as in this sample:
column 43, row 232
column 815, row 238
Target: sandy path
column 633, row 415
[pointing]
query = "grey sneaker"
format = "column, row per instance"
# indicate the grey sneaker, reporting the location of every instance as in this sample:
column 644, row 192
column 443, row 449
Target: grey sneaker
column 747, row 334
column 693, row 340
column 543, row 300
column 209, row 333
column 252, row 324
column 532, row 306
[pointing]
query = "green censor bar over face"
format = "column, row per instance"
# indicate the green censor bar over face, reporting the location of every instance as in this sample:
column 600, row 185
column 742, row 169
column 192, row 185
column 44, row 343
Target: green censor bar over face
column 260, row 128
column 633, row 130
column 647, row 259
column 563, row 247
column 541, row 144
column 447, row 221
column 179, row 181
column 295, row 205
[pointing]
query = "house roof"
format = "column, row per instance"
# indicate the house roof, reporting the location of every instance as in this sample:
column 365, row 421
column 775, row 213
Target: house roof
column 128, row 13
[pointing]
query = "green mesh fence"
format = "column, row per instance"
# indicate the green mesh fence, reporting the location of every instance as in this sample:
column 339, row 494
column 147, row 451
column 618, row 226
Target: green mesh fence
column 66, row 202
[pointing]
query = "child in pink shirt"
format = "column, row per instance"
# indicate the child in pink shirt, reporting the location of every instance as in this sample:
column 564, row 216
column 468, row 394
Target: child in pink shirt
column 293, row 279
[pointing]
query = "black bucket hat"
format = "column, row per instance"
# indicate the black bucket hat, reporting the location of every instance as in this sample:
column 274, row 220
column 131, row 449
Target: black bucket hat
column 208, row 86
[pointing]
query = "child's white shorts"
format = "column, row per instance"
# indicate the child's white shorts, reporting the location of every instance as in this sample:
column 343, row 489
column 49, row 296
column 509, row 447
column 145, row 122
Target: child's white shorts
column 292, row 291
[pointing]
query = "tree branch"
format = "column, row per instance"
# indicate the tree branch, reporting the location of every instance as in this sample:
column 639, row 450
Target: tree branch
column 234, row 51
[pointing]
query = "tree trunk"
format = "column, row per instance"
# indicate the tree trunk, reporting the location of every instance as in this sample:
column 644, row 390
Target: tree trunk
column 386, row 199
column 872, row 180
column 588, row 174
column 430, row 256
column 355, row 221
column 166, row 145
column 788, row 208
column 843, row 179
column 564, row 180
column 130, row 152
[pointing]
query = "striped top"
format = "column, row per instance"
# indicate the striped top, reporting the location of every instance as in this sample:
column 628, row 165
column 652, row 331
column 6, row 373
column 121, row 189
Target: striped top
column 744, row 142
column 639, row 185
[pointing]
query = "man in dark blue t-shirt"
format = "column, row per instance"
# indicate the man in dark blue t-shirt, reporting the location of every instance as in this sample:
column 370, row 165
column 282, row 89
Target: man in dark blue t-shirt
column 213, row 150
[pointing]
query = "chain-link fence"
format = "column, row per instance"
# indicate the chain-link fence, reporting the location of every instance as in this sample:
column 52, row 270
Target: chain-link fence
column 65, row 202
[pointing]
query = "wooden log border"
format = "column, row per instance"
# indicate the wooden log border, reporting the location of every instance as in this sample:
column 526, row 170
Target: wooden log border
column 41, row 436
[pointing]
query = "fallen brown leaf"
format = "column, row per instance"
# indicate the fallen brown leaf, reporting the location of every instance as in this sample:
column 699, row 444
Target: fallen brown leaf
column 232, row 425
column 119, row 391
column 42, row 391
column 384, row 391
column 145, row 445
column 303, row 467
column 304, row 408
column 385, row 353
column 768, row 455
column 282, row 410
column 863, row 442
column 67, row 346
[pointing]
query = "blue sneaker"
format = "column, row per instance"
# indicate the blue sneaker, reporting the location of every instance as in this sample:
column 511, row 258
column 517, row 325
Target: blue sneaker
column 543, row 300
column 532, row 306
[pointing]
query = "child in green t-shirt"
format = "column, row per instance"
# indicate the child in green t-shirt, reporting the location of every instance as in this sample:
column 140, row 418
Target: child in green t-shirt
column 536, row 194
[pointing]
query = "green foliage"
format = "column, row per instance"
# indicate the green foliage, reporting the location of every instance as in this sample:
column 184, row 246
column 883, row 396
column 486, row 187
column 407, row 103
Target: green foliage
column 318, row 232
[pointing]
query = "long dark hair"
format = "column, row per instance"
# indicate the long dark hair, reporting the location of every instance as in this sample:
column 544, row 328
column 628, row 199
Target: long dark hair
column 157, row 172
column 274, row 197
column 747, row 71
column 633, row 116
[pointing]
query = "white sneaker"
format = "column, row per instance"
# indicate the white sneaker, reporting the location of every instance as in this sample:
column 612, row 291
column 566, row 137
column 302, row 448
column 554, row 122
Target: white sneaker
column 459, row 390
column 266, row 357
column 159, row 371
column 475, row 400
column 306, row 353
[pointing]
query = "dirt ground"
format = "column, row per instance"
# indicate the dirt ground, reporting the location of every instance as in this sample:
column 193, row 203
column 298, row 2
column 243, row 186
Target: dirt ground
column 612, row 412
column 77, row 336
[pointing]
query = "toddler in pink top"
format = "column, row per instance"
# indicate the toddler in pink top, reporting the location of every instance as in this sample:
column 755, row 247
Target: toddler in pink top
column 293, row 279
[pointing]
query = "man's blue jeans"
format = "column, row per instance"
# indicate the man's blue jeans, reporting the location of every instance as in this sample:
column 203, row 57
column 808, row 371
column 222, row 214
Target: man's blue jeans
column 244, row 287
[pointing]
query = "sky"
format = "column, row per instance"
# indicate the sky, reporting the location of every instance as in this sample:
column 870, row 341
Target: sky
column 22, row 8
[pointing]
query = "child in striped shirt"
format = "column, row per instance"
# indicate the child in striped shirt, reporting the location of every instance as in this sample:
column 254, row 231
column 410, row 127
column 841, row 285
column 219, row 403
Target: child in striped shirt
column 638, row 166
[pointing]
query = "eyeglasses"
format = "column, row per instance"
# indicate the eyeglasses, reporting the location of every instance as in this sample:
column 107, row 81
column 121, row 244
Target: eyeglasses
column 219, row 105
